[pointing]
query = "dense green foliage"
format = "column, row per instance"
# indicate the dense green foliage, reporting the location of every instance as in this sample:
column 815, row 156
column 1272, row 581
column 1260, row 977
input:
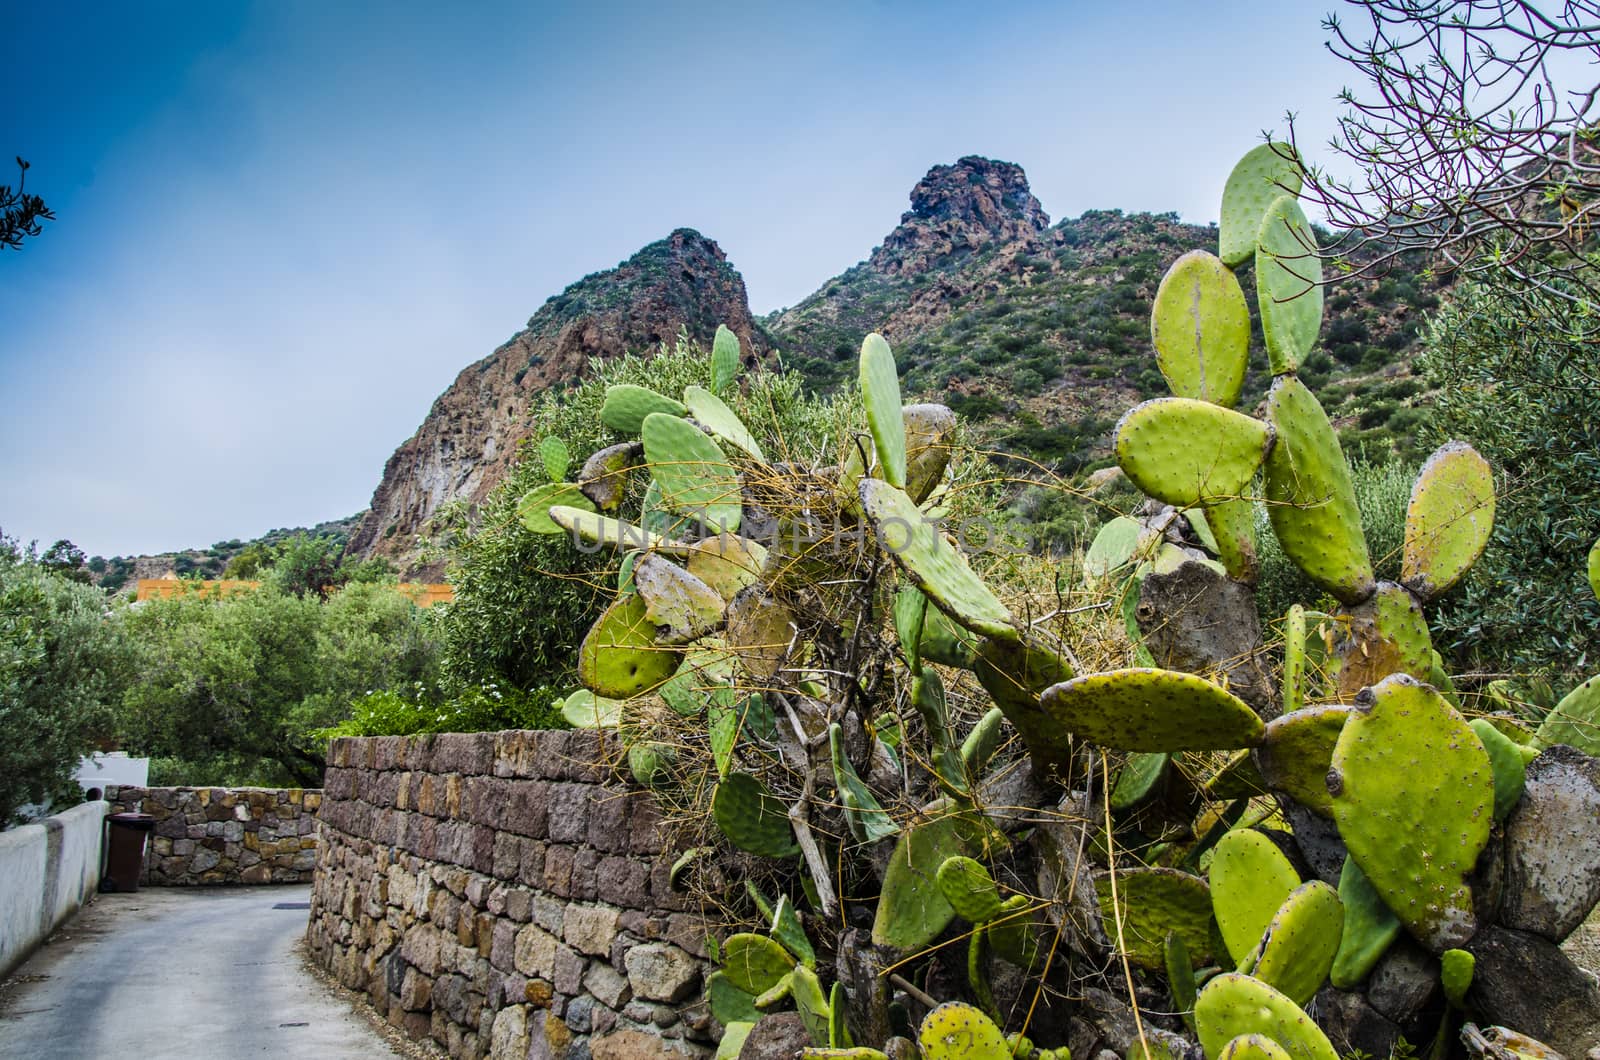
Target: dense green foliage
column 524, row 601
column 419, row 709
column 62, row 665
column 1512, row 380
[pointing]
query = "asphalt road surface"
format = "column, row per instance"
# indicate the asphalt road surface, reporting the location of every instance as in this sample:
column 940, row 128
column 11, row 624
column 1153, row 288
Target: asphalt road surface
column 180, row 972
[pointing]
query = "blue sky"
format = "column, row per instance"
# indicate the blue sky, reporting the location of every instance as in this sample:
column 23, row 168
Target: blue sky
column 285, row 227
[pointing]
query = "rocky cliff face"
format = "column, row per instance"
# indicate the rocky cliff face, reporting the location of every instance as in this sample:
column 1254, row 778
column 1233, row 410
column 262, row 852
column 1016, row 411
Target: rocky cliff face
column 471, row 435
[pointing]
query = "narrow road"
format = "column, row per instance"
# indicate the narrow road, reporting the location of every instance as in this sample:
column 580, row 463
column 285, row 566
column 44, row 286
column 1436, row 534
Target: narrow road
column 181, row 973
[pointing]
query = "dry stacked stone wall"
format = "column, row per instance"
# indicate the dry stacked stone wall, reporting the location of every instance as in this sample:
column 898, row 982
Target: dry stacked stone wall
column 507, row 895
column 225, row 835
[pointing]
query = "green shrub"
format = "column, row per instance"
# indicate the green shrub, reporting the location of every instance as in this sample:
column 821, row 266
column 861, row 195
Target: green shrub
column 478, row 708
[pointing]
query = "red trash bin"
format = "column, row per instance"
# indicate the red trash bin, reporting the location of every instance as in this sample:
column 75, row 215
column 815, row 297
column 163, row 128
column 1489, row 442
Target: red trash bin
column 125, row 850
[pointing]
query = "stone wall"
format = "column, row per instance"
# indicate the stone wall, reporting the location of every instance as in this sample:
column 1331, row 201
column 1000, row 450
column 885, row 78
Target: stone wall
column 224, row 835
column 507, row 895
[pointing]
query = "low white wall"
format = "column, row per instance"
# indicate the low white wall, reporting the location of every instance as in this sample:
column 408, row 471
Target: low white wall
column 48, row 869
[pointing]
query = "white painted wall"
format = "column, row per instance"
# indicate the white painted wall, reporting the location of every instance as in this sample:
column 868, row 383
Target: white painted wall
column 48, row 869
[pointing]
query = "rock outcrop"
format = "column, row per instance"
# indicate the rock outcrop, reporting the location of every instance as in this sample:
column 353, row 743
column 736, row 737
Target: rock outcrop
column 470, row 437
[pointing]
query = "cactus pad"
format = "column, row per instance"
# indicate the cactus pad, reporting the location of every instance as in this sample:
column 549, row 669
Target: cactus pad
column 928, row 429
column 1575, row 720
column 1254, row 1047
column 1156, row 903
column 933, row 563
column 1455, row 971
column 1113, row 547
column 1138, row 779
column 1413, row 795
column 862, row 813
column 969, row 889
column 1385, row 635
column 598, row 529
column 759, row 630
column 1449, row 519
column 1296, row 752
column 1152, row 710
column 880, row 393
column 726, row 562
column 534, row 508
column 752, row 817
column 1508, row 765
column 1200, row 326
column 1233, row 525
column 1297, row 951
column 1311, row 500
column 1014, row 933
column 729, row 1004
column 983, row 741
column 957, row 1031
column 695, row 477
column 1232, row 1005
column 754, row 963
column 1370, row 928
column 1014, row 673
column 1296, row 684
column 715, row 416
column 619, row 657
column 912, row 910
column 724, row 359
column 1184, row 452
column 1288, row 284
column 554, row 455
column 651, row 762
column 626, row 407
column 585, row 710
column 1260, row 177
column 604, row 478
column 682, row 605
column 1250, row 878
column 1594, row 568
column 810, row 1002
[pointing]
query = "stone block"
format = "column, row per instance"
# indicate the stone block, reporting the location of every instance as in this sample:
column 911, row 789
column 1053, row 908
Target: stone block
column 527, row 808
column 531, row 871
column 635, row 1045
column 467, row 753
column 623, row 881
column 535, row 952
column 608, row 820
column 519, row 905
column 549, row 1038
column 569, row 812
column 569, row 969
column 644, row 827
column 585, row 870
column 607, row 985
column 508, row 1039
column 661, row 972
column 590, row 929
column 516, row 753
column 558, row 871
column 507, row 856
column 416, row 991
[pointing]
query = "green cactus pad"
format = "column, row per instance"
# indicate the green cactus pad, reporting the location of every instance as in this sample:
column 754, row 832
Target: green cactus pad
column 1238, row 778
column 1594, row 568
column 1288, row 285
column 1254, row 1047
column 1297, row 950
column 1233, row 525
column 715, row 416
column 909, row 610
column 1200, row 326
column 811, row 1003
column 751, row 817
column 969, row 889
column 1296, row 692
column 651, row 762
column 786, row 928
column 880, row 393
column 1232, row 1005
column 1413, row 795
column 626, row 407
column 1180, row 978
column 982, row 742
column 724, row 359
column 685, row 607
column 838, row 1022
column 1184, row 452
column 1014, row 934
column 1113, row 548
column 759, row 631
column 912, row 910
column 604, row 477
column 1155, row 903
column 957, row 1031
column 1260, row 177
column 1509, row 767
column 1310, row 498
column 1250, row 878
column 555, row 457
column 946, row 643
column 1297, row 750
column 585, row 710
column 1455, row 971
column 726, row 562
column 1152, row 710
column 619, row 657
column 928, row 429
column 932, row 562
column 695, row 477
column 602, row 530
column 1014, row 673
column 862, row 812
column 534, row 508
column 1140, row 776
column 754, row 964
column 1574, row 721
column 702, row 671
column 1370, row 928
column 729, row 1004
column 1449, row 519
column 733, row 1038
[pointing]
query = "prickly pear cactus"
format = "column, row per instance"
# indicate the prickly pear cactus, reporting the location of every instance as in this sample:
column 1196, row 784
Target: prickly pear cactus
column 1250, row 878
column 724, row 359
column 681, row 605
column 1185, row 452
column 1509, row 766
column 620, row 658
column 1288, row 284
column 753, row 963
column 1297, row 949
column 696, row 479
column 1575, row 720
column 710, row 412
column 969, row 889
column 1258, row 179
column 880, row 393
column 534, row 508
column 957, row 1031
column 1449, row 519
column 1152, row 710
column 1296, row 751
column 1455, row 970
column 1384, row 635
column 1370, row 927
column 1200, row 327
column 1413, row 795
column 751, row 817
column 912, row 909
column 1153, row 904
column 626, row 407
column 604, row 477
column 1254, row 1047
column 862, row 812
column 555, row 457
column 1232, row 1005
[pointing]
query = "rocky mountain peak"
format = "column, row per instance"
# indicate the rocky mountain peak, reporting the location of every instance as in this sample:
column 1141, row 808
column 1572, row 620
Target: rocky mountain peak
column 962, row 207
